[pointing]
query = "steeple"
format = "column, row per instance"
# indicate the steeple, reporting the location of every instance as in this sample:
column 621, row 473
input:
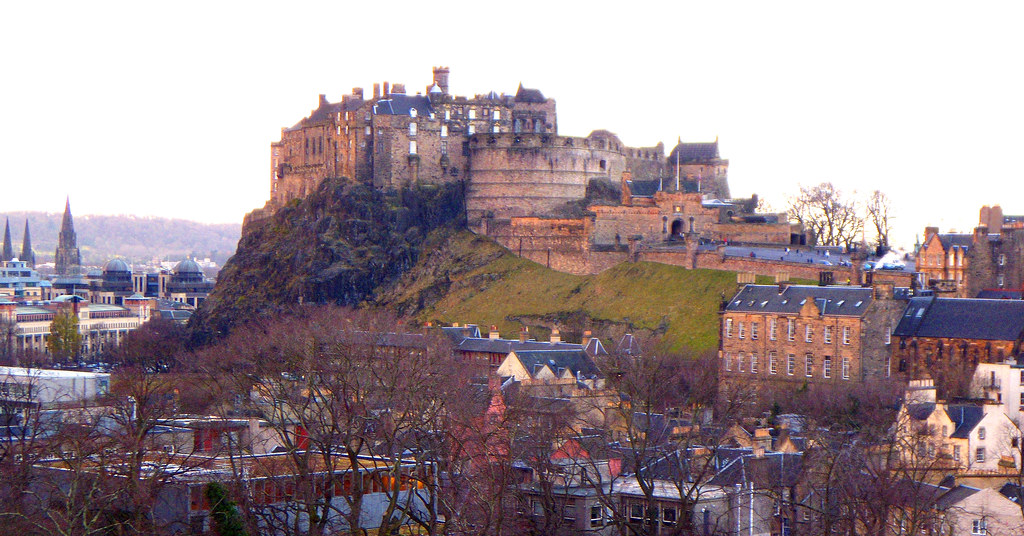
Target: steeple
column 67, row 255
column 8, row 252
column 27, row 254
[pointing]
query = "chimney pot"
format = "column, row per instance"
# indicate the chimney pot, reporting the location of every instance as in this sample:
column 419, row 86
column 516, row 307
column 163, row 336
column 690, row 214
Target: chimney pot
column 555, row 335
column 524, row 334
column 494, row 334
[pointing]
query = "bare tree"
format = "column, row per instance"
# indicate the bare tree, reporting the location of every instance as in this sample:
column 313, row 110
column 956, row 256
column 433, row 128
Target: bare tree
column 833, row 218
column 879, row 209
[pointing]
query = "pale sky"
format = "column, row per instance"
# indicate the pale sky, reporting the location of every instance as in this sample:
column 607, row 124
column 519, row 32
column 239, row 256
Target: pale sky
column 169, row 109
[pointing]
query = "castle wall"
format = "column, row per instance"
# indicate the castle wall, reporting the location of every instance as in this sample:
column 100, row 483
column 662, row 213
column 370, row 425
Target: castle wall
column 534, row 174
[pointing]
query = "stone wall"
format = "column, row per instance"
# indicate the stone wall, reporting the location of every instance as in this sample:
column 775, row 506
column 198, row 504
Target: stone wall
column 530, row 174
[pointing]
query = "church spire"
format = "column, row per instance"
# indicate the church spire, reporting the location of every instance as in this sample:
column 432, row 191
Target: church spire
column 67, row 255
column 27, row 254
column 8, row 252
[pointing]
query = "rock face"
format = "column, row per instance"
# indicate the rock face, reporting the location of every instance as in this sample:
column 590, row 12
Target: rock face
column 337, row 245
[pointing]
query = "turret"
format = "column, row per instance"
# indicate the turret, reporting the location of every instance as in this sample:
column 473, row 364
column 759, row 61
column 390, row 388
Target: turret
column 441, row 79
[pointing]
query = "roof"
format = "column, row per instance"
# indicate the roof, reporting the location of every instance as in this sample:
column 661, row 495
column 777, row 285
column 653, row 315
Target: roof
column 966, row 417
column 644, row 188
column 457, row 334
column 48, row 373
column 1001, row 294
column 694, row 152
column 831, row 301
column 774, row 469
column 920, row 412
column 504, row 346
column 399, row 104
column 576, row 361
column 529, row 95
column 962, row 318
column 116, row 265
column 958, row 240
column 187, row 266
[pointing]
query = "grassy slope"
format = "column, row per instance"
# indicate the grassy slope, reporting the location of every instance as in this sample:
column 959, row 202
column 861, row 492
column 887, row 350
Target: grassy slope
column 486, row 284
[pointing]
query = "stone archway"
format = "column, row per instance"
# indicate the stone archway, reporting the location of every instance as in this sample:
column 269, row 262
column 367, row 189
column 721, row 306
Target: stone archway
column 677, row 228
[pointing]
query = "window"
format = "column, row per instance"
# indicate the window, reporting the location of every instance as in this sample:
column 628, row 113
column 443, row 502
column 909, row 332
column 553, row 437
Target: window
column 447, row 115
column 668, row 517
column 728, row 362
column 888, row 336
column 978, row 527
column 981, row 433
column 1001, row 280
column 538, row 510
column 791, row 365
column 412, row 147
column 808, row 333
column 753, row 331
column 826, row 367
column 846, row 368
column 739, row 361
column 846, row 334
column 979, row 455
column 728, row 328
column 753, row 363
column 596, row 516
column 1002, row 259
column 772, row 365
column 773, row 332
column 742, row 331
column 470, row 130
column 956, row 452
column 569, row 510
column 444, row 131
column 790, row 332
column 1022, row 377
column 827, row 334
column 412, row 129
column 497, row 115
column 636, row 513
column 472, row 113
column 809, row 365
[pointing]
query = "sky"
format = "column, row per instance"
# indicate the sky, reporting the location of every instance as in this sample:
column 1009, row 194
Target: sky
column 169, row 109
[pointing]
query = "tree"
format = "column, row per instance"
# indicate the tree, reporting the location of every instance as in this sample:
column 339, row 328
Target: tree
column 64, row 341
column 833, row 218
column 879, row 207
column 226, row 521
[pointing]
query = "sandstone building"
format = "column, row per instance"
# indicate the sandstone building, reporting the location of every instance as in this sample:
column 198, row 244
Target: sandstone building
column 68, row 259
column 787, row 336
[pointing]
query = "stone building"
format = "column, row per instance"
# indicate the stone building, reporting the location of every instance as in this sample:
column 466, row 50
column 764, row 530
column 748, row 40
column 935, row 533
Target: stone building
column 792, row 335
column 997, row 260
column 946, row 338
column 68, row 259
column 942, row 261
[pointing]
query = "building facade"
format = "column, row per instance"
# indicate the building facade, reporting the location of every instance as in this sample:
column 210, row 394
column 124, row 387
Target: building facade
column 793, row 335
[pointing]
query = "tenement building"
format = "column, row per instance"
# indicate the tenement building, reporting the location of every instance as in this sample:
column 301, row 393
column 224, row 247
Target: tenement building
column 787, row 336
column 946, row 338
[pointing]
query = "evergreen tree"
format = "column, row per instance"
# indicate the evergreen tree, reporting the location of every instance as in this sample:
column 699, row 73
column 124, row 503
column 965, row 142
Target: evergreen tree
column 226, row 521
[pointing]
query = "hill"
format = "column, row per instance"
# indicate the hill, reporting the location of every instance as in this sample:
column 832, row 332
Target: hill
column 137, row 239
column 468, row 278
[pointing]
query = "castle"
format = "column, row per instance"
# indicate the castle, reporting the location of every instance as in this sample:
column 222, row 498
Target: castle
column 553, row 198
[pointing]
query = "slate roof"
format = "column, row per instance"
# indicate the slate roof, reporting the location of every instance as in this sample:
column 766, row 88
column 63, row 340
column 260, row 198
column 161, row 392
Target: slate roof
column 399, row 104
column 832, row 301
column 594, row 347
column 774, row 469
column 962, row 318
column 694, row 152
column 576, row 361
column 504, row 346
column 965, row 417
column 457, row 334
column 1001, row 294
column 529, row 95
column 920, row 412
column 1012, row 491
column 954, row 496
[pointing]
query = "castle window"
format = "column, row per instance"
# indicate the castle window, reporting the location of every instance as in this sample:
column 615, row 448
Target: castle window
column 604, row 165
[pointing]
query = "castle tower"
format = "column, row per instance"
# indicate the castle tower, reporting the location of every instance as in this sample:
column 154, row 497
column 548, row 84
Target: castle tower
column 27, row 254
column 67, row 255
column 8, row 252
column 441, row 78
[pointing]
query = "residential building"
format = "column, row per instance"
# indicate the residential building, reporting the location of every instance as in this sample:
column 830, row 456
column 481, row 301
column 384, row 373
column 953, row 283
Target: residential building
column 964, row 437
column 945, row 338
column 792, row 335
column 942, row 261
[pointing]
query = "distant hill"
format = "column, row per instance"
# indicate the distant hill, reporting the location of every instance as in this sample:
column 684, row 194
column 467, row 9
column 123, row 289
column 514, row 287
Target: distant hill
column 135, row 238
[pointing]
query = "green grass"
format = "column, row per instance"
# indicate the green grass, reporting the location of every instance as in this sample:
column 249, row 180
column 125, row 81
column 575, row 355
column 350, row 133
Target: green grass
column 489, row 285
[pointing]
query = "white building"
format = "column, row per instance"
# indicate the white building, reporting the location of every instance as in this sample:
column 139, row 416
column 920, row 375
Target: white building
column 48, row 388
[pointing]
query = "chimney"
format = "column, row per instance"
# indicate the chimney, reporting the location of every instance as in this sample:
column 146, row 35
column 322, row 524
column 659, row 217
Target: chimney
column 376, row 90
column 357, row 92
column 555, row 335
column 524, row 334
column 762, row 439
column 398, row 89
column 882, row 291
column 995, row 220
column 323, row 100
column 456, row 325
column 387, row 89
column 929, row 231
column 494, row 334
column 587, row 335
